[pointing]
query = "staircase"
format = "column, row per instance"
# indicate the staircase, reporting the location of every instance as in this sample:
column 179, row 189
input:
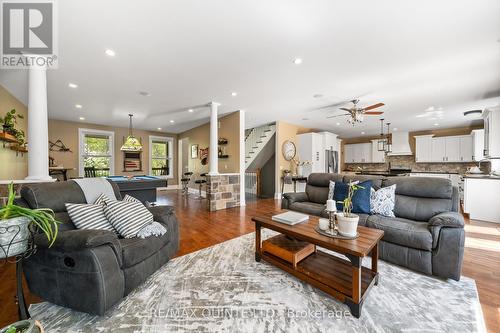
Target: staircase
column 256, row 140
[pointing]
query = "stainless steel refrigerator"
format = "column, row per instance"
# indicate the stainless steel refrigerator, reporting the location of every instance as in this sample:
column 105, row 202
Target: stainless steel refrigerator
column 332, row 161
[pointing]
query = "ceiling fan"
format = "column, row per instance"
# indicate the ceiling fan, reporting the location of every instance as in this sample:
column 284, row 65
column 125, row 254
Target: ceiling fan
column 357, row 113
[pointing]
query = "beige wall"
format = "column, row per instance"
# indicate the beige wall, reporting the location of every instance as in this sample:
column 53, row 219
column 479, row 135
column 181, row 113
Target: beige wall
column 285, row 131
column 67, row 132
column 12, row 166
column 230, row 129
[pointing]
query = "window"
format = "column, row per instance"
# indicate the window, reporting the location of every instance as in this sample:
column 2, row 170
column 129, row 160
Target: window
column 96, row 153
column 160, row 156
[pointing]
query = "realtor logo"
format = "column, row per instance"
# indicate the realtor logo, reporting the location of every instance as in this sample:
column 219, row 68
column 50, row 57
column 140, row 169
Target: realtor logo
column 28, row 33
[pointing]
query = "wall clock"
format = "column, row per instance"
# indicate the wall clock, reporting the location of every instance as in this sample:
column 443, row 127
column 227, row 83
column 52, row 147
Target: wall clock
column 289, row 150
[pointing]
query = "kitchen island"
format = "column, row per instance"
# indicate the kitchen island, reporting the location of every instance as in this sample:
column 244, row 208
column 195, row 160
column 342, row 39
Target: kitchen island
column 481, row 197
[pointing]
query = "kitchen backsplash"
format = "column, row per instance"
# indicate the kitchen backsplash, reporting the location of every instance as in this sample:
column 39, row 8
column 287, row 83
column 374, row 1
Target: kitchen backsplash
column 408, row 162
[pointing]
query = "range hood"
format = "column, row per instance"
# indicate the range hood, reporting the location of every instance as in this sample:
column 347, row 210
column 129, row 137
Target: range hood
column 400, row 144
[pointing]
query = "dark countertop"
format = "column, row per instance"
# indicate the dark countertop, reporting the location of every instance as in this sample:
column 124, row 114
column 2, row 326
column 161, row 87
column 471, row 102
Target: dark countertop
column 440, row 172
column 481, row 176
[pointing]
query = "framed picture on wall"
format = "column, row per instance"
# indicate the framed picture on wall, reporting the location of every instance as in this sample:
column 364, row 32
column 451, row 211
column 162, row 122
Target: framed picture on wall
column 194, row 151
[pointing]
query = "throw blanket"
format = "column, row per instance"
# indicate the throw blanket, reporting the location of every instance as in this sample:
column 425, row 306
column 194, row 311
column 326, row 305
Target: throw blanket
column 93, row 187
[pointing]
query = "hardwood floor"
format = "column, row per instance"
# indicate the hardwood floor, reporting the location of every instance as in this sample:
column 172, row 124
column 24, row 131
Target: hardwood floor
column 200, row 229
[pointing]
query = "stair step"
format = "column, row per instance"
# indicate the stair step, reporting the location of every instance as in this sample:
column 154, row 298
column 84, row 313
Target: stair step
column 268, row 130
column 259, row 142
column 251, row 152
column 263, row 136
column 255, row 147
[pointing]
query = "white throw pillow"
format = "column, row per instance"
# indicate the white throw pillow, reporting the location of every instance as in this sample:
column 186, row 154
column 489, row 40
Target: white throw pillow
column 382, row 202
column 128, row 218
column 88, row 216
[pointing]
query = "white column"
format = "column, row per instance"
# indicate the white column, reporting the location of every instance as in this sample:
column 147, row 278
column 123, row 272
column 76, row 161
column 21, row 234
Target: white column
column 213, row 152
column 242, row 158
column 38, row 128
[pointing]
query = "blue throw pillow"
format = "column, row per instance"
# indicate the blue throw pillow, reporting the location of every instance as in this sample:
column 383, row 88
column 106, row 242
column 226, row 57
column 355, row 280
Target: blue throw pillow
column 360, row 200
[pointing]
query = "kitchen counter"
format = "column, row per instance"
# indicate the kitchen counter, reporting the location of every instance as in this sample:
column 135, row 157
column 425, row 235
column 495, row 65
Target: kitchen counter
column 440, row 172
column 480, row 176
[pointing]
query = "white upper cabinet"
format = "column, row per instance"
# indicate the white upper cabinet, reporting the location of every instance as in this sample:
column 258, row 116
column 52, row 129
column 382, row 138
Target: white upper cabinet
column 466, row 148
column 444, row 149
column 477, row 144
column 438, row 150
column 358, row 153
column 423, row 148
column 492, row 133
column 377, row 156
column 452, row 147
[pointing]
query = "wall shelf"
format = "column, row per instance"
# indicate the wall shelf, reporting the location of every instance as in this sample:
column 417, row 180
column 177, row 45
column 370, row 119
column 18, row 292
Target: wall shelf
column 223, row 156
column 19, row 149
column 7, row 138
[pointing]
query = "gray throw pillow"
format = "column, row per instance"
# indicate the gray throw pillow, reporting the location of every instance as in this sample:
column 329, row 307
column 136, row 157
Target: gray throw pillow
column 88, row 216
column 128, row 218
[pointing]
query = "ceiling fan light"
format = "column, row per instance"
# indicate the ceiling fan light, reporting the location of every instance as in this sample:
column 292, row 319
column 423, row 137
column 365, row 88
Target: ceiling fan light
column 473, row 113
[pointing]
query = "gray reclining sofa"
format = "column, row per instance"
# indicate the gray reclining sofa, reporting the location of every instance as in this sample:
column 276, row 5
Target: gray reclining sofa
column 91, row 270
column 427, row 234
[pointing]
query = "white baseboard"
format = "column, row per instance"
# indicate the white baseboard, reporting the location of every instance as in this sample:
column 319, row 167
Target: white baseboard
column 169, row 187
column 197, row 191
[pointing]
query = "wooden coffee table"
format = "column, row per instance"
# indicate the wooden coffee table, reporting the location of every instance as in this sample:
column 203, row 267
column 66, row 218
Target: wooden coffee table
column 346, row 280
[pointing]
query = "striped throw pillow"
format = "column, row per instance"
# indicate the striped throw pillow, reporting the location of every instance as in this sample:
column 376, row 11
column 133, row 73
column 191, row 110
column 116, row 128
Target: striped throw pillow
column 88, row 216
column 128, row 218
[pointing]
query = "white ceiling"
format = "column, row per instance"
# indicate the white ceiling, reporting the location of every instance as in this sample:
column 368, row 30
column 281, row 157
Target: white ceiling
column 411, row 55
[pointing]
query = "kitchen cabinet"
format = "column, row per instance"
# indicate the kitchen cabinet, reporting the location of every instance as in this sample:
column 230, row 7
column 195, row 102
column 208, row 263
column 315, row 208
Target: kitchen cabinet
column 377, row 156
column 491, row 133
column 438, row 150
column 423, row 148
column 466, row 150
column 349, row 154
column 310, row 148
column 477, row 144
column 358, row 153
column 450, row 149
column 481, row 199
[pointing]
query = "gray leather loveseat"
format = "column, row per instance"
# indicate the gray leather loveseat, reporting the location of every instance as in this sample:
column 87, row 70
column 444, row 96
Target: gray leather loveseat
column 427, row 234
column 91, row 270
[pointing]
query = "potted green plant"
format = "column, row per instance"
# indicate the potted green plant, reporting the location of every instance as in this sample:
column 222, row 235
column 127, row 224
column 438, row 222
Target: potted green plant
column 9, row 121
column 15, row 222
column 347, row 221
column 23, row 326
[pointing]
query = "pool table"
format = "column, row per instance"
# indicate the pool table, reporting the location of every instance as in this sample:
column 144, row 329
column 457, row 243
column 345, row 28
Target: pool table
column 140, row 187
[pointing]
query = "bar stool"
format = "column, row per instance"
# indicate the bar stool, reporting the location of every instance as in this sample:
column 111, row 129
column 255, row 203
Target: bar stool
column 200, row 183
column 185, row 182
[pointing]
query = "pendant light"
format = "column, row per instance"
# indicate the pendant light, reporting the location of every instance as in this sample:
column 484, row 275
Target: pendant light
column 131, row 143
column 388, row 145
column 382, row 141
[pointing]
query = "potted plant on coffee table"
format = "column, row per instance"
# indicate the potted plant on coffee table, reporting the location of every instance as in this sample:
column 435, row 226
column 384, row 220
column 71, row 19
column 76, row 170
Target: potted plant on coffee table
column 15, row 224
column 347, row 221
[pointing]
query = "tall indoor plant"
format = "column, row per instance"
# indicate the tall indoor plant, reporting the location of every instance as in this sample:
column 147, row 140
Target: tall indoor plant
column 347, row 221
column 15, row 222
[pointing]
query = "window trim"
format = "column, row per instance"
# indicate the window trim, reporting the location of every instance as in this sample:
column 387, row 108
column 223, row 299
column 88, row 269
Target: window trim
column 170, row 158
column 85, row 131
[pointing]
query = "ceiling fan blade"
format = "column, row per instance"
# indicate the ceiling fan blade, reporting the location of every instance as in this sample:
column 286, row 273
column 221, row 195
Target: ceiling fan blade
column 339, row 115
column 373, row 113
column 345, row 109
column 374, row 106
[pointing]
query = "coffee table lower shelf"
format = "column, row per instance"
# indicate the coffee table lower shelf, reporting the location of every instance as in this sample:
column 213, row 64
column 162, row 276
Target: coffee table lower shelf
column 331, row 274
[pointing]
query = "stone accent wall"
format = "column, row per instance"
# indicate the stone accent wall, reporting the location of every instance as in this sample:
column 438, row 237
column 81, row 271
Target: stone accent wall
column 408, row 162
column 223, row 191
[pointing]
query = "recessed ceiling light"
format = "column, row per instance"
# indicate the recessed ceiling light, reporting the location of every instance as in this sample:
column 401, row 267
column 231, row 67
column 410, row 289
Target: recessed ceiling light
column 338, row 124
column 234, row 94
column 78, row 106
column 82, row 118
column 436, row 124
column 110, row 53
column 172, row 121
column 159, row 128
column 395, row 129
column 362, row 133
column 305, row 118
column 317, row 95
column 72, row 85
column 144, row 93
column 297, row 61
column 190, row 110
column 473, row 113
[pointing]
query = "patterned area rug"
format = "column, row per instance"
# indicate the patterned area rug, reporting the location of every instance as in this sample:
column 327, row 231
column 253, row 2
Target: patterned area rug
column 223, row 289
